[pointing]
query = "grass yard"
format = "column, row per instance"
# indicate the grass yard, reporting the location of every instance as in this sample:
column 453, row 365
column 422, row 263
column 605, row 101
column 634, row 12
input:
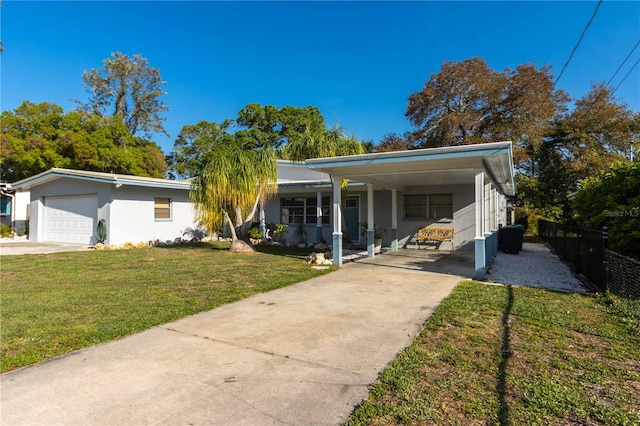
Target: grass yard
column 56, row 303
column 513, row 356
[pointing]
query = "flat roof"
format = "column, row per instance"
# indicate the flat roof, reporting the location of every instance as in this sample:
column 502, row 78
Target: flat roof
column 430, row 166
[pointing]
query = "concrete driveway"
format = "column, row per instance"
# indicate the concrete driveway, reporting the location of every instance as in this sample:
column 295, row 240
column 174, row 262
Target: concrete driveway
column 17, row 247
column 301, row 355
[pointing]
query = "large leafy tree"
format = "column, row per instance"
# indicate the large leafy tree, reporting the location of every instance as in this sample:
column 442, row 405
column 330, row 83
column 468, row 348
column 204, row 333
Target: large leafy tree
column 36, row 137
column 194, row 146
column 394, row 142
column 276, row 127
column 467, row 103
column 596, row 133
column 28, row 140
column 256, row 127
column 585, row 142
column 128, row 87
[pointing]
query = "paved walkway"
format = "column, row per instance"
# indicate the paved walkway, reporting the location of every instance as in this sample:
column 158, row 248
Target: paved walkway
column 301, row 355
column 18, row 247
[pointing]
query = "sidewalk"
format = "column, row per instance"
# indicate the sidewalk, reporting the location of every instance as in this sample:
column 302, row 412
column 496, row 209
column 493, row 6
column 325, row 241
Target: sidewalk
column 301, row 355
column 19, row 247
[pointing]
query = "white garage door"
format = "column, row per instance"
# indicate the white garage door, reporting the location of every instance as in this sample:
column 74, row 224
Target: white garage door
column 70, row 219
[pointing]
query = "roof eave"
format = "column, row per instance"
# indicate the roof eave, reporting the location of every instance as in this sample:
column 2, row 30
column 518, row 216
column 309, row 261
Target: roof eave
column 53, row 174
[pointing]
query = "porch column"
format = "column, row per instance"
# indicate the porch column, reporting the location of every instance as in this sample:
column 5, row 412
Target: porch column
column 496, row 209
column 318, row 216
column 394, row 220
column 491, row 236
column 337, row 222
column 479, row 238
column 502, row 218
column 486, row 214
column 263, row 225
column 371, row 250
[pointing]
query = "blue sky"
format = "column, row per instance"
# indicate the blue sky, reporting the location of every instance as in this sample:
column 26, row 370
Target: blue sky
column 356, row 61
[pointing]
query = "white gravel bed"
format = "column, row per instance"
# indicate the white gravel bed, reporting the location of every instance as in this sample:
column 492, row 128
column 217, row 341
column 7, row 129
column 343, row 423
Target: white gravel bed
column 535, row 266
column 351, row 255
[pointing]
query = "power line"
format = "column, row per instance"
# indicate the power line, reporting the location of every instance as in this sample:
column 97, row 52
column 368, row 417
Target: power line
column 621, row 65
column 579, row 40
column 625, row 77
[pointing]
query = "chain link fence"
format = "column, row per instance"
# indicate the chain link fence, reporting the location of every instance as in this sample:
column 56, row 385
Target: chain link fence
column 623, row 275
column 585, row 251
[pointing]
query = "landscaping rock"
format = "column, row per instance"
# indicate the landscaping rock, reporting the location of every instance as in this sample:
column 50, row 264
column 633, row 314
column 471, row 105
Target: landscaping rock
column 318, row 259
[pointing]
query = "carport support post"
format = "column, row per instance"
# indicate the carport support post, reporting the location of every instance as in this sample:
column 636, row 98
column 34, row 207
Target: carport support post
column 371, row 250
column 337, row 222
column 480, row 256
column 394, row 220
column 318, row 216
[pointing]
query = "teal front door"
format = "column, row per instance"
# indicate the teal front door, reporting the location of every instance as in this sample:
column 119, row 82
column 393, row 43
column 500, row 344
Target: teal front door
column 352, row 218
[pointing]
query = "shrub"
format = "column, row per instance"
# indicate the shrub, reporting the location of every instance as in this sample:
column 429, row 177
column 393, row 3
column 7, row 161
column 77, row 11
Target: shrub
column 612, row 199
column 255, row 233
column 5, row 230
column 529, row 216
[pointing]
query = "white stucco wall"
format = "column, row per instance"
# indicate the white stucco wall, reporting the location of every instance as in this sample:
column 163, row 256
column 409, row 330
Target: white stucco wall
column 128, row 211
column 463, row 214
column 131, row 216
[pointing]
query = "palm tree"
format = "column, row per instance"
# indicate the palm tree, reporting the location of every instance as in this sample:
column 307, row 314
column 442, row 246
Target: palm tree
column 235, row 180
column 321, row 144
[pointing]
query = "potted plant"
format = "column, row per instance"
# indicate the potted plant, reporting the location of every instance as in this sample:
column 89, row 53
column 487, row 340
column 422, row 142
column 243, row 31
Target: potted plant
column 377, row 235
column 301, row 234
column 278, row 232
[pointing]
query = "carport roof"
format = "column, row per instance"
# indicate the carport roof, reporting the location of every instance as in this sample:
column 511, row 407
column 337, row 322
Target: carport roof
column 110, row 178
column 431, row 166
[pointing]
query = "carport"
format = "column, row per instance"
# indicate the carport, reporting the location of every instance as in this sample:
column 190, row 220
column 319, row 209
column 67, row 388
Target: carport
column 488, row 167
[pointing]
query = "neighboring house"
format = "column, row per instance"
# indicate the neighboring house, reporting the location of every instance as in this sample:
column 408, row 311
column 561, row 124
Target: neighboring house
column 14, row 208
column 461, row 187
column 66, row 206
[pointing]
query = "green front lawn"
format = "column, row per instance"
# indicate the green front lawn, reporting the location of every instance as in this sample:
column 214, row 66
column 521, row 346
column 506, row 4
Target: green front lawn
column 56, row 303
column 488, row 355
column 493, row 355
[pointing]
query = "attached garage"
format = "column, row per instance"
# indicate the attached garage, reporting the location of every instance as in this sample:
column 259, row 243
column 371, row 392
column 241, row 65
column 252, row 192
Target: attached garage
column 66, row 205
column 70, row 218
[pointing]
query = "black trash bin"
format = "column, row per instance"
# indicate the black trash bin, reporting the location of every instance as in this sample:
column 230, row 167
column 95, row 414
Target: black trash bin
column 510, row 238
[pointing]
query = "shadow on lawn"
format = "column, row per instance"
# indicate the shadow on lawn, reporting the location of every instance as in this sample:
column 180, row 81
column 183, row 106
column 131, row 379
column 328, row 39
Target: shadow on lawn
column 503, row 413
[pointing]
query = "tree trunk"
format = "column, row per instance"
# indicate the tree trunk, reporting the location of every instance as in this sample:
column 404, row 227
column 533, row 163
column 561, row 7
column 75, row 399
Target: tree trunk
column 237, row 244
column 241, row 246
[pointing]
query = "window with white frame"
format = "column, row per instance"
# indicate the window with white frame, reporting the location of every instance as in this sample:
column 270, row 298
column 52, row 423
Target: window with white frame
column 303, row 209
column 430, row 206
column 162, row 208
